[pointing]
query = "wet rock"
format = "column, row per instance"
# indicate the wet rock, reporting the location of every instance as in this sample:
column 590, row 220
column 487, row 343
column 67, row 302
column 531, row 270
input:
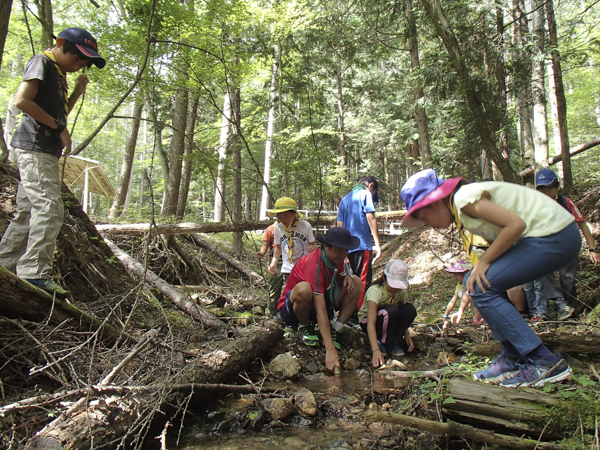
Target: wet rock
column 352, row 400
column 333, row 391
column 364, row 373
column 276, row 424
column 256, row 420
column 374, row 407
column 284, row 367
column 397, row 365
column 337, row 371
column 312, row 367
column 351, row 364
column 306, row 403
column 278, row 408
column 318, row 377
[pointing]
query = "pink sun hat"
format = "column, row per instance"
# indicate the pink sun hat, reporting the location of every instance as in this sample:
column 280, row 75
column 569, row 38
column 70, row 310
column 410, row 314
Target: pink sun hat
column 422, row 189
column 460, row 266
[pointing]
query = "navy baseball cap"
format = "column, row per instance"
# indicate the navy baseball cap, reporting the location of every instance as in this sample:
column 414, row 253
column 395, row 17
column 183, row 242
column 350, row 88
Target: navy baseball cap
column 339, row 237
column 545, row 177
column 85, row 43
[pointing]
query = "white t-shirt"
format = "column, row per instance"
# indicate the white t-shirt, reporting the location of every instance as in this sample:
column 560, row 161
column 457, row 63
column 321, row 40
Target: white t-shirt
column 542, row 215
column 302, row 235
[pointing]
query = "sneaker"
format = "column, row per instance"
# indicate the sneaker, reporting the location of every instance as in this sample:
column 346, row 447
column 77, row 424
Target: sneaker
column 536, row 371
column 502, row 367
column 564, row 310
column 309, row 335
column 396, row 351
column 336, row 344
column 50, row 286
column 537, row 318
column 382, row 349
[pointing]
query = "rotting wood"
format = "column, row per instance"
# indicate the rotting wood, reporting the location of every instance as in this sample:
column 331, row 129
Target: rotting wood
column 253, row 276
column 557, row 342
column 138, row 229
column 513, row 410
column 182, row 302
column 24, row 300
column 108, row 420
column 415, row 374
column 455, row 429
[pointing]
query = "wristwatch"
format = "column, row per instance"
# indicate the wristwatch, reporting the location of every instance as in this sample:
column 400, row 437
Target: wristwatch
column 61, row 125
column 594, row 250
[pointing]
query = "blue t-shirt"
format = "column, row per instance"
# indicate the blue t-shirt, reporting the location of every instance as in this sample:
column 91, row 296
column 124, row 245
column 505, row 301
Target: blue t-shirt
column 353, row 211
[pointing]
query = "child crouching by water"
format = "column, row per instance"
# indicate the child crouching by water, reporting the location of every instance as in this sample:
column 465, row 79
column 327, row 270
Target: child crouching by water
column 385, row 316
column 459, row 269
column 531, row 235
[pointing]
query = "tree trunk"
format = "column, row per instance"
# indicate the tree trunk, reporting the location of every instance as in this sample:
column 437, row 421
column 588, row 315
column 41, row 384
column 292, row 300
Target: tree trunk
column 437, row 16
column 238, row 245
column 219, row 212
column 538, row 88
column 177, row 146
column 341, row 125
column 417, row 93
column 127, row 164
column 264, row 201
column 561, row 101
column 47, row 22
column 186, row 174
column 157, row 129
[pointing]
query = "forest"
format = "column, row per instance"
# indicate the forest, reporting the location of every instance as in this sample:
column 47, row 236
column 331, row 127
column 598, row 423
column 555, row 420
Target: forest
column 207, row 112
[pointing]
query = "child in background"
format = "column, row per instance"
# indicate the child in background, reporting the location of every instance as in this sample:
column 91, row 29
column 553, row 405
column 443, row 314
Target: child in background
column 385, row 316
column 276, row 279
column 545, row 288
column 459, row 269
column 293, row 237
column 530, row 236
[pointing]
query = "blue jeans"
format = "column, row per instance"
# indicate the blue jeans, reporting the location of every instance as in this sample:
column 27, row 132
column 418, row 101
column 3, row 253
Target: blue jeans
column 526, row 261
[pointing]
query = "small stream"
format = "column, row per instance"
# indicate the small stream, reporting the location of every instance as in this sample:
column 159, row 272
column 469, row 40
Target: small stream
column 235, row 423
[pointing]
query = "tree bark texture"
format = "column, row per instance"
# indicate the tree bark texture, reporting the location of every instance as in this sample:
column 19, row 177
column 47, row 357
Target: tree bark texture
column 177, row 144
column 236, row 151
column 437, row 16
column 138, row 271
column 186, row 172
column 264, row 201
column 341, row 124
column 219, row 211
column 559, row 342
column 127, row 164
column 538, row 87
column 561, row 100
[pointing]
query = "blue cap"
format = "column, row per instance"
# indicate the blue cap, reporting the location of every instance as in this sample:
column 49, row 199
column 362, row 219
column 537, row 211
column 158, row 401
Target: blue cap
column 85, row 43
column 545, row 177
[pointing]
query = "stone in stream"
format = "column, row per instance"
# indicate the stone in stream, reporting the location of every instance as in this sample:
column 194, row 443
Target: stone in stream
column 306, row 403
column 284, row 367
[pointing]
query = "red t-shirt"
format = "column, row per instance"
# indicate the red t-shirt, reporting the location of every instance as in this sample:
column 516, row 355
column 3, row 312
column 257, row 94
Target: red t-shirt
column 269, row 235
column 574, row 210
column 310, row 268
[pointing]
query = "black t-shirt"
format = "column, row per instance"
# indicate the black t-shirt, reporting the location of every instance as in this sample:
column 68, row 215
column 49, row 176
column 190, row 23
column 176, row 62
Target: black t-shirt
column 30, row 134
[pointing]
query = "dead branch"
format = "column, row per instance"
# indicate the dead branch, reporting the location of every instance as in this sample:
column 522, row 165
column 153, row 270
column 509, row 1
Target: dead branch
column 455, row 429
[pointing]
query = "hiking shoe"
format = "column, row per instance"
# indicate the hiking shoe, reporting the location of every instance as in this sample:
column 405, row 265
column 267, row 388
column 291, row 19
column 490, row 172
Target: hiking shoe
column 537, row 318
column 382, row 349
column 502, row 367
column 563, row 309
column 336, row 344
column 396, row 351
column 50, row 286
column 309, row 335
column 537, row 371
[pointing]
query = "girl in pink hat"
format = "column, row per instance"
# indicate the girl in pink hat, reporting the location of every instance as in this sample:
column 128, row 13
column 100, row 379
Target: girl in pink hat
column 530, row 235
column 459, row 269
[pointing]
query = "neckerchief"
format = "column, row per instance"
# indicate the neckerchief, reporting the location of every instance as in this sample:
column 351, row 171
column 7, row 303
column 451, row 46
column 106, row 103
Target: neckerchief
column 289, row 231
column 466, row 236
column 333, row 286
column 358, row 187
column 63, row 80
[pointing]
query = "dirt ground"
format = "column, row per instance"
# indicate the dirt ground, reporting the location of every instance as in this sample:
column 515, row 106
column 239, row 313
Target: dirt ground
column 32, row 355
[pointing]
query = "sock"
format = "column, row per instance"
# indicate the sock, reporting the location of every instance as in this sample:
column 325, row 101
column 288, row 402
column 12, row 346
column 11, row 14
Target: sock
column 337, row 326
column 541, row 351
column 509, row 348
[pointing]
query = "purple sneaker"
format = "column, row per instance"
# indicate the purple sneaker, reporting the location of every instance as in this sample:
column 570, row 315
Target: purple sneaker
column 502, row 367
column 536, row 371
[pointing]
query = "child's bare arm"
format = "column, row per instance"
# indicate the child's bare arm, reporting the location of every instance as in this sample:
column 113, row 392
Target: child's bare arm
column 587, row 234
column 451, row 304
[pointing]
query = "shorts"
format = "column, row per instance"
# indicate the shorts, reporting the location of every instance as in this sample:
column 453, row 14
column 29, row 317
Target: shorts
column 286, row 312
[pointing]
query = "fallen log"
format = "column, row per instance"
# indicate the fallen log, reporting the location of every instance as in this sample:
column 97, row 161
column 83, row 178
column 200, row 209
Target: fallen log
column 24, row 300
column 504, row 410
column 557, row 342
column 138, row 229
column 455, row 429
column 181, row 301
column 580, row 148
column 120, row 418
column 200, row 242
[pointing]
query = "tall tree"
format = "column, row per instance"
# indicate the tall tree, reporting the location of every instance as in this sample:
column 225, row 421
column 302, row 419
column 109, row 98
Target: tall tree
column 538, row 87
column 186, row 173
column 226, row 120
column 127, row 164
column 5, row 8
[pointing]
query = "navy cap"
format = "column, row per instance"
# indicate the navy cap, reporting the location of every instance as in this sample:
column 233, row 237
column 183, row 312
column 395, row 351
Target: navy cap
column 85, row 42
column 339, row 237
column 545, row 177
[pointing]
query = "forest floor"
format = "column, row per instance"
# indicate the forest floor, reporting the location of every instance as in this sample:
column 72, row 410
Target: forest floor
column 45, row 368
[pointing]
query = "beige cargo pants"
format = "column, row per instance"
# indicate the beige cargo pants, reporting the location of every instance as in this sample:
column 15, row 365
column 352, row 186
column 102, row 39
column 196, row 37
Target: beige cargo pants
column 27, row 247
